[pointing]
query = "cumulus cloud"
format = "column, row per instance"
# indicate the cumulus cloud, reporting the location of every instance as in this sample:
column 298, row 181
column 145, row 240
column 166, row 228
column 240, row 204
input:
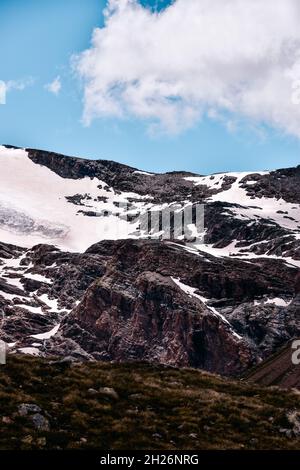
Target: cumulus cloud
column 236, row 58
column 55, row 86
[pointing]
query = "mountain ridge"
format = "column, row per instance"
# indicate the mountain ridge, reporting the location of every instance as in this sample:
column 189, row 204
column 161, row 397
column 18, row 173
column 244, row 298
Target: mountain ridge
column 32, row 149
column 79, row 278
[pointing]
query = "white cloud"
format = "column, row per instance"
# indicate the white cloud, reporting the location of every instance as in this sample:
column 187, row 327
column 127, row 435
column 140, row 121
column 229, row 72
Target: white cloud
column 55, row 86
column 19, row 85
column 212, row 57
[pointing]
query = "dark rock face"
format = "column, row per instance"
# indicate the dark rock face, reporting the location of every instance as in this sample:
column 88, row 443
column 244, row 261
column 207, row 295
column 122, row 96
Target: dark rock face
column 297, row 284
column 146, row 300
column 8, row 251
column 136, row 311
column 216, row 278
column 124, row 178
column 154, row 321
column 284, row 183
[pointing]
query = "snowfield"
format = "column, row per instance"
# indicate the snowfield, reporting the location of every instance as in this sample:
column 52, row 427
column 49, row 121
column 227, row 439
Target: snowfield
column 39, row 206
column 251, row 208
column 34, row 208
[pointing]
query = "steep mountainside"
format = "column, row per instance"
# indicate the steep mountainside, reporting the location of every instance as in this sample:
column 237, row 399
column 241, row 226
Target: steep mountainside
column 82, row 275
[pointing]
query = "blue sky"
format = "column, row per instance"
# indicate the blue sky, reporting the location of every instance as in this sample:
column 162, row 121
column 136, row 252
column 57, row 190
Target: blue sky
column 38, row 39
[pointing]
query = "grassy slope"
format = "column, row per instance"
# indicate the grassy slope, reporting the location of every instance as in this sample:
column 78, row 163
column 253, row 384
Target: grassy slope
column 158, row 408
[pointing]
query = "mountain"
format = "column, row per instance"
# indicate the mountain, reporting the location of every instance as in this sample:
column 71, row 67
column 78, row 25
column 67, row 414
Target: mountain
column 84, row 273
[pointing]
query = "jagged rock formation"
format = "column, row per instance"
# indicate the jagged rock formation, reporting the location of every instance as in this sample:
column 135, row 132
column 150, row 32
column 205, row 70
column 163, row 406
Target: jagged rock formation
column 73, row 284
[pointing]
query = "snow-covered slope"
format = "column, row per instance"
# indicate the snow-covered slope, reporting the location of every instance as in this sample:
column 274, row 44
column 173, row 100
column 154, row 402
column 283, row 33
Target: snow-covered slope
column 73, row 203
column 275, row 209
column 42, row 202
column 36, row 206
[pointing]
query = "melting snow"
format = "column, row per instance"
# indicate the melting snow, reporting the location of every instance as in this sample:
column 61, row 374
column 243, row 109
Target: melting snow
column 52, row 303
column 48, row 334
column 38, row 277
column 31, row 351
column 143, row 173
column 253, row 208
column 13, row 296
column 191, row 292
column 267, row 208
column 232, row 250
column 37, row 310
column 276, row 301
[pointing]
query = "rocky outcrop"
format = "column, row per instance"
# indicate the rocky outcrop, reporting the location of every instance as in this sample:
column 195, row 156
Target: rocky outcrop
column 147, row 300
column 283, row 183
column 136, row 311
column 149, row 318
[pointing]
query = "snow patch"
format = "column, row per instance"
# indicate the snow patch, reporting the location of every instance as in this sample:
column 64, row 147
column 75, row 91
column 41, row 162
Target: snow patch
column 191, row 292
column 31, row 351
column 138, row 172
column 38, row 277
column 275, row 301
column 48, row 334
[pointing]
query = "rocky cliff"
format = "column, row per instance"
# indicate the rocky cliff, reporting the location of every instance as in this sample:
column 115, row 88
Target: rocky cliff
column 79, row 280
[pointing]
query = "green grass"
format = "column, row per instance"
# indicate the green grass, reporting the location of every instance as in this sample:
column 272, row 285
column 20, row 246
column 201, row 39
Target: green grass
column 158, row 408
